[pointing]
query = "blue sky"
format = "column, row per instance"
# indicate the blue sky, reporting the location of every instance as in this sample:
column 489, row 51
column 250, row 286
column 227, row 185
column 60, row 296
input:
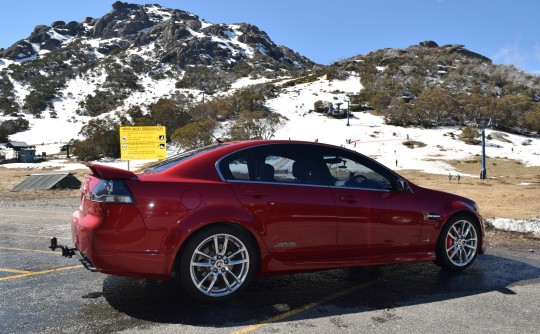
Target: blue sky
column 507, row 31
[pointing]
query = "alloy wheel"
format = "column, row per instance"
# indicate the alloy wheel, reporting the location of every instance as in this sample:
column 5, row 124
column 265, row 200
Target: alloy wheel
column 461, row 243
column 219, row 265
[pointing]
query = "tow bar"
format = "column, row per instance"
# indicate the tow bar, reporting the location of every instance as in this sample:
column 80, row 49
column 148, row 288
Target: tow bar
column 69, row 252
column 66, row 251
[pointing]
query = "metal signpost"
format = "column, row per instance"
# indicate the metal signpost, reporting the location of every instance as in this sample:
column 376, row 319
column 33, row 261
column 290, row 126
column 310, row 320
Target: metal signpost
column 142, row 143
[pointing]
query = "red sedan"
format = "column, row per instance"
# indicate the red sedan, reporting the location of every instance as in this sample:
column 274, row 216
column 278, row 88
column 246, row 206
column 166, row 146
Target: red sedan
column 216, row 217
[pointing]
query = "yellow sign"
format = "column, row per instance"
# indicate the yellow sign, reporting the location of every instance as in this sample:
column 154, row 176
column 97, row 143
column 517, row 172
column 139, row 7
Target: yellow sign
column 142, row 142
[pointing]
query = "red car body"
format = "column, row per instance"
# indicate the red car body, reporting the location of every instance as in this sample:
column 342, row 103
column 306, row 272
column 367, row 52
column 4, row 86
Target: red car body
column 293, row 226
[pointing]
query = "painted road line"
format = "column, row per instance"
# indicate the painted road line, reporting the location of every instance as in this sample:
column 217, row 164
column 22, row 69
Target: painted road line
column 26, row 250
column 39, row 211
column 7, row 270
column 40, row 225
column 54, row 227
column 22, row 235
column 27, row 235
column 35, row 217
column 64, row 228
column 34, row 273
column 305, row 307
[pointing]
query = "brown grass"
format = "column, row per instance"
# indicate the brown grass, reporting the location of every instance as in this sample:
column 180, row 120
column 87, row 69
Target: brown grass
column 9, row 178
column 502, row 194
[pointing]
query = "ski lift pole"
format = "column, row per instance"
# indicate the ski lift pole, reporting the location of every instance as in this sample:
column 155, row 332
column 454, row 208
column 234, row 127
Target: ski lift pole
column 348, row 100
column 484, row 171
column 483, row 123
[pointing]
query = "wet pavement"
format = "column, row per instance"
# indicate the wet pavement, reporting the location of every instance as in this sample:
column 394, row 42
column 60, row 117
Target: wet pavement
column 499, row 293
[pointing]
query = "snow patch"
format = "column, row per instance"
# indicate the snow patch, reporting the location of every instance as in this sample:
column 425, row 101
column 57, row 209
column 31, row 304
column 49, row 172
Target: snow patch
column 514, row 225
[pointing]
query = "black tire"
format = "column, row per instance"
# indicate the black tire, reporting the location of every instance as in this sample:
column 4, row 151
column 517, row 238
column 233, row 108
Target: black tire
column 458, row 243
column 214, row 276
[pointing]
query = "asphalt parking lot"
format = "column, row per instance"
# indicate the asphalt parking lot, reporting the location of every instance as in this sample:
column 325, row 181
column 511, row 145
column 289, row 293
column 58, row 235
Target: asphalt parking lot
column 40, row 291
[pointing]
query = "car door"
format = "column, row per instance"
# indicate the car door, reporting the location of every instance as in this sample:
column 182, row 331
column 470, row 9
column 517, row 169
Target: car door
column 373, row 217
column 295, row 218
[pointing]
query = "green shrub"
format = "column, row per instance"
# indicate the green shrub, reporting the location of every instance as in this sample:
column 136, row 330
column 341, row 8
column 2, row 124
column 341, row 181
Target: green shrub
column 12, row 126
column 413, row 144
column 102, row 139
column 255, row 125
column 101, row 102
column 469, row 135
column 207, row 79
column 195, row 134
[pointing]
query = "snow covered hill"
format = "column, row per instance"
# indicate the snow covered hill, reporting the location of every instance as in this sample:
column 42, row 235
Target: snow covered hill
column 366, row 133
column 369, row 134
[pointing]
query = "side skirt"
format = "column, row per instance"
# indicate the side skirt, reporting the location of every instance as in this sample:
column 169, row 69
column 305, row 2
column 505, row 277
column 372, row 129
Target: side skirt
column 271, row 266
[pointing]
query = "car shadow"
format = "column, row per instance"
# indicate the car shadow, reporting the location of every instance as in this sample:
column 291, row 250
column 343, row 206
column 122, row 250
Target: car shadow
column 373, row 288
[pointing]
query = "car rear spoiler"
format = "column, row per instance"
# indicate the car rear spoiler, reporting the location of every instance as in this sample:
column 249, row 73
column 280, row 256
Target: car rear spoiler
column 109, row 173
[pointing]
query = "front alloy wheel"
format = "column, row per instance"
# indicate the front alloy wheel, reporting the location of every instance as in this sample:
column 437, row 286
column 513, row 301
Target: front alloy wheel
column 217, row 264
column 458, row 245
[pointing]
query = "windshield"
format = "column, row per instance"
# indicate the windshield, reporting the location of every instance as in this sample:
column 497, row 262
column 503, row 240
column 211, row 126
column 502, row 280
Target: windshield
column 176, row 159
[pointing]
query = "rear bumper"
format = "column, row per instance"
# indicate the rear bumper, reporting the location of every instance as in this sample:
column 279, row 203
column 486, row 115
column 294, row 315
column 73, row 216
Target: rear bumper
column 103, row 245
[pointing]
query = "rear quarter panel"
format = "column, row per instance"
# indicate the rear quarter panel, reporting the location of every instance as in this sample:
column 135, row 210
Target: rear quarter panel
column 180, row 207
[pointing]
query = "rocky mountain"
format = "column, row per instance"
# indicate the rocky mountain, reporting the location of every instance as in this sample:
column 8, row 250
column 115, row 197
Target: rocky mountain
column 173, row 36
column 429, row 85
column 115, row 53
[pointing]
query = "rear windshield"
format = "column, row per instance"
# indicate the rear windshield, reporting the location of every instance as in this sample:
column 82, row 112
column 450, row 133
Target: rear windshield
column 176, row 159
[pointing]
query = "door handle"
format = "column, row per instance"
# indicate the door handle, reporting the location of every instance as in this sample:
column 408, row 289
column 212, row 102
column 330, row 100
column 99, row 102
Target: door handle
column 348, row 198
column 254, row 193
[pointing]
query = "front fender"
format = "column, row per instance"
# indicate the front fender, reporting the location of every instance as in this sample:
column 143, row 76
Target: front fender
column 438, row 207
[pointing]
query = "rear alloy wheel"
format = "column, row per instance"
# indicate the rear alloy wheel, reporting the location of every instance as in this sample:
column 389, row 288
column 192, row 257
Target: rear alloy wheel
column 217, row 264
column 458, row 244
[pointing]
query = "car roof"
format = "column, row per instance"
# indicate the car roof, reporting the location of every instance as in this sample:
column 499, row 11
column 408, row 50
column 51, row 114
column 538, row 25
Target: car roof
column 202, row 165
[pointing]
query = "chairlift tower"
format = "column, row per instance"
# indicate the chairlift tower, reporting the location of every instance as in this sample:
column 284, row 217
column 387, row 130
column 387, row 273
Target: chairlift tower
column 483, row 123
column 348, row 100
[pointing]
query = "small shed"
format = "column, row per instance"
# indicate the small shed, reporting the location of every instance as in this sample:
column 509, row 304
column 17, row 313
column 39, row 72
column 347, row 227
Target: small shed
column 27, row 155
column 23, row 151
column 49, row 181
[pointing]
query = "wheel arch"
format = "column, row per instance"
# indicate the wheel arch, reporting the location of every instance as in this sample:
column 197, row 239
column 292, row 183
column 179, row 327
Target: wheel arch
column 257, row 243
column 442, row 259
column 475, row 219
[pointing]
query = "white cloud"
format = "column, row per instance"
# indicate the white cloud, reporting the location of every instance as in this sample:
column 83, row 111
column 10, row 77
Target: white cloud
column 511, row 54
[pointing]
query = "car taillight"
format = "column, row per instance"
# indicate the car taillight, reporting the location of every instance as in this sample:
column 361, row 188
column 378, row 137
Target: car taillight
column 111, row 191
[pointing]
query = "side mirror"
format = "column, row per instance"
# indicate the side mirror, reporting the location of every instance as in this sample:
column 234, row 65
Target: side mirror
column 401, row 185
